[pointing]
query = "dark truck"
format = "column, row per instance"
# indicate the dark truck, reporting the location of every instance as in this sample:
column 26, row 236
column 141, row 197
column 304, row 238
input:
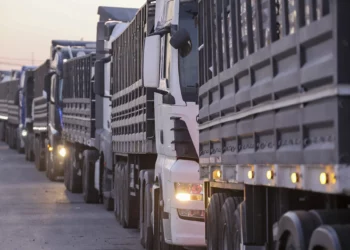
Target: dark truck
column 61, row 51
column 131, row 146
column 86, row 116
column 35, row 113
column 26, row 72
column 3, row 108
column 274, row 123
column 9, row 112
column 13, row 113
column 9, row 115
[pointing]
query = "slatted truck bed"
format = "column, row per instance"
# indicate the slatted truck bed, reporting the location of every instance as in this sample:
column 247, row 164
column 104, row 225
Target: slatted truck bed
column 274, row 117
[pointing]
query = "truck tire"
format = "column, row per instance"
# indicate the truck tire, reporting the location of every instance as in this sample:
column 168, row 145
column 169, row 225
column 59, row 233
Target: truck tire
column 295, row 229
column 145, row 214
column 90, row 194
column 39, row 161
column 75, row 173
column 30, row 147
column 13, row 138
column 2, row 131
column 147, row 226
column 50, row 168
column 117, row 197
column 108, row 202
column 230, row 226
column 66, row 172
column 26, row 153
column 330, row 237
column 20, row 150
column 130, row 208
column 10, row 138
column 213, row 217
column 5, row 133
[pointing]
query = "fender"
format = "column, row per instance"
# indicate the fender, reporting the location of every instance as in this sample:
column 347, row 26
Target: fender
column 166, row 215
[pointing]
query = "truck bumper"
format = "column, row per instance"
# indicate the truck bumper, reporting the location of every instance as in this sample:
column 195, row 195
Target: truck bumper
column 57, row 161
column 186, row 232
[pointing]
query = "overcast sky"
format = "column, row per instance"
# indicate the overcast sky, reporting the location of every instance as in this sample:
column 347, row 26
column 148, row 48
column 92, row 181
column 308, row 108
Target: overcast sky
column 27, row 27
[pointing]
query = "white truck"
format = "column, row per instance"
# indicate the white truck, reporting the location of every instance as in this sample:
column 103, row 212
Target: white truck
column 139, row 156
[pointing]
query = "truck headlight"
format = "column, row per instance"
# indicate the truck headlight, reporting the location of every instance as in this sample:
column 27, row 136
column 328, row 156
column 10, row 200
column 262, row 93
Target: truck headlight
column 24, row 133
column 62, row 151
column 188, row 191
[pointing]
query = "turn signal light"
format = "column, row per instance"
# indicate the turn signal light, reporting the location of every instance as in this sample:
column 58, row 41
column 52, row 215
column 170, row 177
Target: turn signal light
column 294, row 177
column 323, row 178
column 217, row 174
column 250, row 174
column 269, row 174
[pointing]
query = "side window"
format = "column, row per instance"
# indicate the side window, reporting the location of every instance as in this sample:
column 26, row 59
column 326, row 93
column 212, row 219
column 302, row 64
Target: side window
column 165, row 60
column 167, row 56
column 162, row 58
column 53, row 88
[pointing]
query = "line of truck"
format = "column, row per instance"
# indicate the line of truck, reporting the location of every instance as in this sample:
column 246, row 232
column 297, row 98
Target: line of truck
column 203, row 123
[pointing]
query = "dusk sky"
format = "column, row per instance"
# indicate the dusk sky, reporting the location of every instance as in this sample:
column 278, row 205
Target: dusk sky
column 27, row 27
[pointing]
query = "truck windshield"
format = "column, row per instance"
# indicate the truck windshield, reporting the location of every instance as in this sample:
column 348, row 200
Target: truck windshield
column 188, row 66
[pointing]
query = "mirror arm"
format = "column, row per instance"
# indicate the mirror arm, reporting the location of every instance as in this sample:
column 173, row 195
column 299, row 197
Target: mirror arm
column 106, row 96
column 162, row 31
column 160, row 91
column 105, row 51
column 106, row 59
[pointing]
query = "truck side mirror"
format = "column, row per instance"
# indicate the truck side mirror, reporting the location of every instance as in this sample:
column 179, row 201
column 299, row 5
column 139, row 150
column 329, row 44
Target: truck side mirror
column 151, row 62
column 181, row 41
column 99, row 88
column 108, row 29
column 47, row 86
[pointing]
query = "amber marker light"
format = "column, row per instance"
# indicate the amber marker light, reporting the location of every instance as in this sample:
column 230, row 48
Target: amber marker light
column 294, row 177
column 323, row 178
column 216, row 174
column 333, row 178
column 269, row 174
column 250, row 174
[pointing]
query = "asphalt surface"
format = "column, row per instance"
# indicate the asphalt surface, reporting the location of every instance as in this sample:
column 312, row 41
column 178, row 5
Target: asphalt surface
column 38, row 214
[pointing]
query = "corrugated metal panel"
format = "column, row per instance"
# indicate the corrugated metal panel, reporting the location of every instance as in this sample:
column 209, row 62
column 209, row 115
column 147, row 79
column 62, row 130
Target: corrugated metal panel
column 79, row 99
column 132, row 105
column 270, row 88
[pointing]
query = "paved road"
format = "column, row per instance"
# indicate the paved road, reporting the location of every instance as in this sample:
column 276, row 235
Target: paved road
column 38, row 214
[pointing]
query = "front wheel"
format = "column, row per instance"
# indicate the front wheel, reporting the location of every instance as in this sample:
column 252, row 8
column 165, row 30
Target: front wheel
column 39, row 160
column 20, row 150
column 159, row 239
column 51, row 172
column 108, row 202
column 90, row 193
column 75, row 166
